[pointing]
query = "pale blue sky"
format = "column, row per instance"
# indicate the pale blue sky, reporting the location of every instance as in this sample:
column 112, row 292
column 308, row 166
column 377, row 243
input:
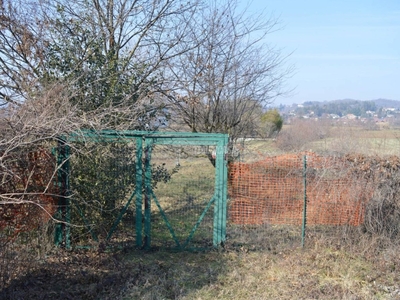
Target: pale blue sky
column 341, row 48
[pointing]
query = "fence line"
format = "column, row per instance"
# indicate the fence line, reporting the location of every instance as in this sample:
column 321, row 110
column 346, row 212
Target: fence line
column 270, row 191
column 265, row 198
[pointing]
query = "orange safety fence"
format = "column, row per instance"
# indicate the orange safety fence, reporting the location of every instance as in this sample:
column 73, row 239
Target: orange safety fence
column 272, row 191
column 27, row 191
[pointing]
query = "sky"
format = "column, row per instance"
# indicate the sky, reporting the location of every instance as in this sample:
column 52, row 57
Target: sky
column 340, row 49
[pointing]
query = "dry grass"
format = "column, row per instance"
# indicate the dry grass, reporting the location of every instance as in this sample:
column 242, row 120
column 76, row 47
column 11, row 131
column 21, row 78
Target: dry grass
column 326, row 137
column 319, row 271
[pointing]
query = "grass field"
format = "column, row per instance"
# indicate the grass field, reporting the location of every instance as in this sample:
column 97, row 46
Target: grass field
column 345, row 139
column 344, row 263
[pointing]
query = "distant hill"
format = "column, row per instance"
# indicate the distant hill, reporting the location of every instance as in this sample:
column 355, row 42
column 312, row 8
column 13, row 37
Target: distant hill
column 344, row 106
column 378, row 102
column 387, row 103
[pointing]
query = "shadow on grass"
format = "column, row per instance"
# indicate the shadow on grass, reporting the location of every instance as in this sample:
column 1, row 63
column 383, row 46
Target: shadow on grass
column 128, row 274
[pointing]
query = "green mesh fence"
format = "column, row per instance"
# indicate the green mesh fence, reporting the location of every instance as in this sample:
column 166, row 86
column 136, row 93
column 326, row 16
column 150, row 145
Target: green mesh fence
column 102, row 181
column 183, row 205
column 145, row 190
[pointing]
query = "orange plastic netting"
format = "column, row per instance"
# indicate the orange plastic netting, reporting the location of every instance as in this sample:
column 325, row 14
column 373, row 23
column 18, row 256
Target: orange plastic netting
column 27, row 191
column 272, row 191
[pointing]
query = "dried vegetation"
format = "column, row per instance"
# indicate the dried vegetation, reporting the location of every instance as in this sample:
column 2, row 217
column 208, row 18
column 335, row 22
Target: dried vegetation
column 322, row 270
column 347, row 263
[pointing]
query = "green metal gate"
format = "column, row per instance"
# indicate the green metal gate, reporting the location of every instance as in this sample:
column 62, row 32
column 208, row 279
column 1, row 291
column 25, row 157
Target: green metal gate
column 148, row 207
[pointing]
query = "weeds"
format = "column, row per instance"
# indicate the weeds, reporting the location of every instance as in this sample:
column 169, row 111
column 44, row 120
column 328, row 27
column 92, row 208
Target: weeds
column 367, row 268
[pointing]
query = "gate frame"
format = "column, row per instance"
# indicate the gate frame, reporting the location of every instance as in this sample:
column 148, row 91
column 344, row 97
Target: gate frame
column 145, row 140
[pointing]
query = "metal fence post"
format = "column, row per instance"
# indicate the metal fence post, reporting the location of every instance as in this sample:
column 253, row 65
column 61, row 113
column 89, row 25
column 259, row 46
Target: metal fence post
column 147, row 191
column 220, row 206
column 304, row 223
column 62, row 231
column 138, row 190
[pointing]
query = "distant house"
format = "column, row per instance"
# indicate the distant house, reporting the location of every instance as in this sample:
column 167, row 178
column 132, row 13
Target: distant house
column 350, row 117
column 334, row 116
column 389, row 109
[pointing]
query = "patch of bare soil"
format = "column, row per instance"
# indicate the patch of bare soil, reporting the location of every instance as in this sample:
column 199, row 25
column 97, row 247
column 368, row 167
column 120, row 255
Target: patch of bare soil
column 71, row 275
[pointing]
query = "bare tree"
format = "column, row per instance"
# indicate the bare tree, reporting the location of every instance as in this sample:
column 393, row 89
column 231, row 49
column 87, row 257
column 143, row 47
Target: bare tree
column 21, row 51
column 28, row 170
column 109, row 52
column 223, row 83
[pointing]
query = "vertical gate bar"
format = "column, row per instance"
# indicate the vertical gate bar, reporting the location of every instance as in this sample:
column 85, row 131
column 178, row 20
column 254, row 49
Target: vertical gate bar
column 219, row 232
column 138, row 190
column 216, row 238
column 67, row 200
column 62, row 231
column 58, row 227
column 58, row 233
column 147, row 191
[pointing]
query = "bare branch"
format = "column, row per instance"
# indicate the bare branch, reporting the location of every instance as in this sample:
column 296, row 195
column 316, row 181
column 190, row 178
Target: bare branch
column 223, row 83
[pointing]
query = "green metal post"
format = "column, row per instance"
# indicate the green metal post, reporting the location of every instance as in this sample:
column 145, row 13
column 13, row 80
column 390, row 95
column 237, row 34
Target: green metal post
column 67, row 199
column 219, row 232
column 138, row 190
column 303, row 227
column 147, row 192
column 224, row 189
column 58, row 232
column 63, row 230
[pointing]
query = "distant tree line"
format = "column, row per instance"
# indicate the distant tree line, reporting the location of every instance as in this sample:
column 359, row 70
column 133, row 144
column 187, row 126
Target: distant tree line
column 340, row 108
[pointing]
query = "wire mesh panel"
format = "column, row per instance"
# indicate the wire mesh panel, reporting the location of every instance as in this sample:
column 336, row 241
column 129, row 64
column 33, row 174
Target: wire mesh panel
column 183, row 204
column 102, row 185
column 23, row 252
